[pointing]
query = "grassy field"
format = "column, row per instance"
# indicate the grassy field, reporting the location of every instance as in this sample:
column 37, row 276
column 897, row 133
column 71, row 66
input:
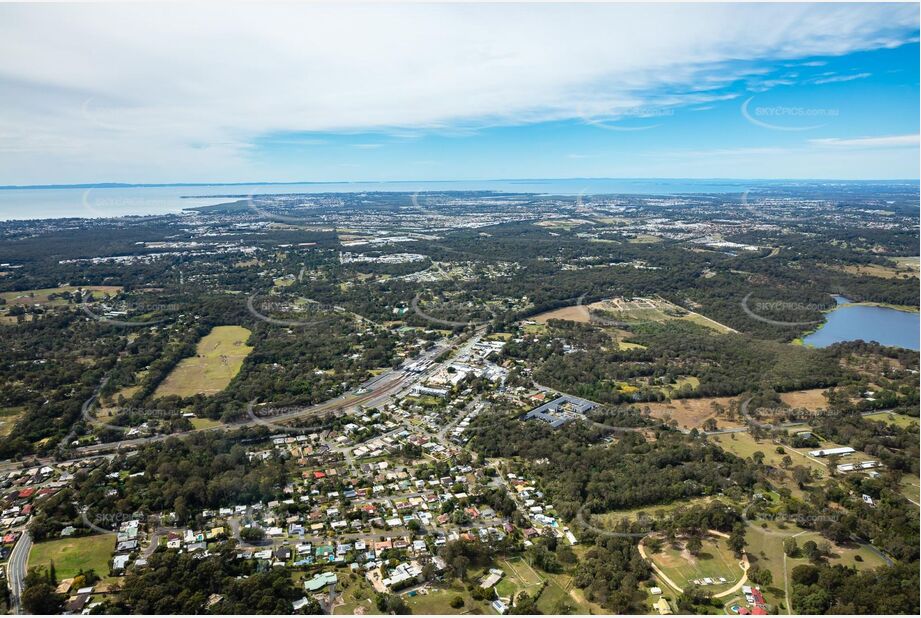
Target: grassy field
column 71, row 555
column 32, row 297
column 355, row 592
column 744, row 445
column 561, row 590
column 899, row 420
column 218, row 358
column 611, row 518
column 519, row 576
column 876, row 270
column 715, row 560
column 910, row 488
column 644, row 238
column 204, row 423
column 438, row 601
column 707, row 322
column 765, row 549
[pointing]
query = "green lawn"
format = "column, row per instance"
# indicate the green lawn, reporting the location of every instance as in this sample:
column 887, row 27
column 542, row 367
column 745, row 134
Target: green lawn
column 71, row 555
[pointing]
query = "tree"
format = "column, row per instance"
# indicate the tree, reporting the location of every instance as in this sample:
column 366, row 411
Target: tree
column 252, row 534
column 737, row 539
column 392, row 604
column 790, row 547
column 760, row 576
column 457, row 602
column 39, row 596
column 694, row 545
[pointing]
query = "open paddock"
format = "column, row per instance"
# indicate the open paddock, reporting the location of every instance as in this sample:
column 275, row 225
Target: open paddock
column 812, row 399
column 218, row 358
column 691, row 413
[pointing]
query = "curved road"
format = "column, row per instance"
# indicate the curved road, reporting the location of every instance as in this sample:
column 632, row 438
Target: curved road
column 17, row 568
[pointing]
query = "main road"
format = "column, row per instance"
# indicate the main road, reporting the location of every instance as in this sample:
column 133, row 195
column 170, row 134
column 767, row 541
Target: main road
column 17, row 568
column 371, row 393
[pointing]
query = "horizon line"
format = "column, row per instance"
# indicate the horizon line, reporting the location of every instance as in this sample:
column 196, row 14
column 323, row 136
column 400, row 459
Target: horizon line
column 114, row 185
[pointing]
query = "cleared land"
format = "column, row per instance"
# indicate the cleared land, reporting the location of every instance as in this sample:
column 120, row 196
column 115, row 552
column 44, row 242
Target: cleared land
column 576, row 313
column 218, row 358
column 902, row 268
column 890, row 418
column 813, row 399
column 8, row 418
column 32, row 297
column 691, row 413
column 630, row 310
column 612, row 518
column 71, row 555
column 519, row 577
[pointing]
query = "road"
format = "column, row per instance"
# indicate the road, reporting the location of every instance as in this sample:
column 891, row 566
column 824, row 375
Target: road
column 17, row 568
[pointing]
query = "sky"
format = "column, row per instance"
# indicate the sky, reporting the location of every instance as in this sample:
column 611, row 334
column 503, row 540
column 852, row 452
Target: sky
column 225, row 92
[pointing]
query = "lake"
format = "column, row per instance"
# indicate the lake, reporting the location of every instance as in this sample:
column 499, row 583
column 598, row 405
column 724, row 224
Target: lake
column 851, row 322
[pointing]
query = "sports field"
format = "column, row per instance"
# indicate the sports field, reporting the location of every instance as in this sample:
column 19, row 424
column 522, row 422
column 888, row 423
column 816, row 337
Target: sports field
column 715, row 560
column 218, row 358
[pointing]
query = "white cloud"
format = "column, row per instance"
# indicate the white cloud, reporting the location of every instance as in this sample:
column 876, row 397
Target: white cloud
column 841, row 78
column 889, row 141
column 128, row 92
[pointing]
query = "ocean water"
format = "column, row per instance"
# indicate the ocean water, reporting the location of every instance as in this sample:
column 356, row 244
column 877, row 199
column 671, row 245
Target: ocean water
column 49, row 203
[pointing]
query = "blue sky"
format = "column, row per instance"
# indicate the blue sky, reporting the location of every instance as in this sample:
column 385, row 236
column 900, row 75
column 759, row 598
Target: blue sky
column 816, row 117
column 133, row 94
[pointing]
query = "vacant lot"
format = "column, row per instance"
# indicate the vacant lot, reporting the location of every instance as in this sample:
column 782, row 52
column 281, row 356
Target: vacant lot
column 218, row 358
column 691, row 413
column 71, row 555
column 813, row 399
